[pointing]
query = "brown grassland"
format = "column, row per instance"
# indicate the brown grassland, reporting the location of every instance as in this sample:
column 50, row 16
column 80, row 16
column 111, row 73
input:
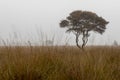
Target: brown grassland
column 59, row 63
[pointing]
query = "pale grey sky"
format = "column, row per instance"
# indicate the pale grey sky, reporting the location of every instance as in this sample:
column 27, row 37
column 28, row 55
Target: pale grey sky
column 29, row 16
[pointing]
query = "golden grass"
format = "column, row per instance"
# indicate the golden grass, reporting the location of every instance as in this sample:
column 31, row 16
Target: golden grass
column 59, row 63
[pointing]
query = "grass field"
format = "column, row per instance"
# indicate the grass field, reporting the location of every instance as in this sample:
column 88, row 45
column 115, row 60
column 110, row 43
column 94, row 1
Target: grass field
column 59, row 63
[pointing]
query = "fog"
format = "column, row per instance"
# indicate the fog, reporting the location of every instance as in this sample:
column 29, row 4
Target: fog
column 29, row 18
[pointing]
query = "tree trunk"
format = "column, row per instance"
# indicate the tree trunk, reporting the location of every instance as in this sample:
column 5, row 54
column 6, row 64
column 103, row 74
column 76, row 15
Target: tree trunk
column 77, row 40
column 85, row 40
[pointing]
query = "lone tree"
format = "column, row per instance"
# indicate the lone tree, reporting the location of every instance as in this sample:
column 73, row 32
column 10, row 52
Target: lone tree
column 82, row 23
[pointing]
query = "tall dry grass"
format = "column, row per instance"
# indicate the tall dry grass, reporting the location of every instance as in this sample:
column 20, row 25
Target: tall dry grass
column 59, row 63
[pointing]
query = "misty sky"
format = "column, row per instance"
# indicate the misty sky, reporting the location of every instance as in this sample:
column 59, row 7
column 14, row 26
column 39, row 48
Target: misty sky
column 29, row 17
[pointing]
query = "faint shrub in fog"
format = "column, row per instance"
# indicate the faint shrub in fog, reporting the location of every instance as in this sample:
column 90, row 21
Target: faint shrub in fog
column 115, row 43
column 49, row 43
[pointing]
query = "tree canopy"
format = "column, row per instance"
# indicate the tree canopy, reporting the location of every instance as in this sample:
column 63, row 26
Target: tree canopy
column 82, row 22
